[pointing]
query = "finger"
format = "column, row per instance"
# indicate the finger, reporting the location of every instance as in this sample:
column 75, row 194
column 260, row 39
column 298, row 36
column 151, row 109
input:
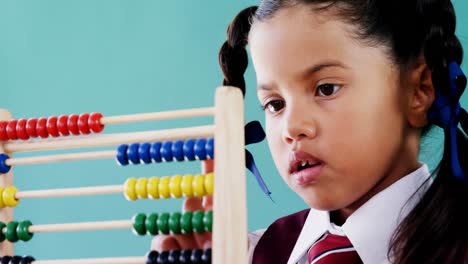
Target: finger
column 207, row 203
column 192, row 204
column 202, row 239
column 162, row 243
column 187, row 241
column 207, row 166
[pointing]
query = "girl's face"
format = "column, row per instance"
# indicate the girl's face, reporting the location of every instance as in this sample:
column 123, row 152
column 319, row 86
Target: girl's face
column 334, row 109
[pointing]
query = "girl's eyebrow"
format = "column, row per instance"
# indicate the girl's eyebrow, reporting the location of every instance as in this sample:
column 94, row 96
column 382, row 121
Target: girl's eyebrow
column 321, row 66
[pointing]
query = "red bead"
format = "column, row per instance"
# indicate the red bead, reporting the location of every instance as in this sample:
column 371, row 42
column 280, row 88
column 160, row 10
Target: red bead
column 52, row 126
column 3, row 134
column 41, row 127
column 11, row 129
column 21, row 129
column 83, row 124
column 62, row 126
column 31, row 127
column 72, row 124
column 94, row 122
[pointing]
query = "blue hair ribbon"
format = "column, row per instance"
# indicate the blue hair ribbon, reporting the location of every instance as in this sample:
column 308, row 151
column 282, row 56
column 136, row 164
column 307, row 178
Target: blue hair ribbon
column 447, row 113
column 254, row 134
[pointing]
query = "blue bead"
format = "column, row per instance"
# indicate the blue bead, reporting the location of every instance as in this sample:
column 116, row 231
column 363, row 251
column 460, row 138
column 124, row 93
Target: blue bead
column 199, row 149
column 209, row 148
column 155, row 152
column 177, row 150
column 166, row 151
column 144, row 153
column 4, row 168
column 188, row 149
column 122, row 158
column 132, row 153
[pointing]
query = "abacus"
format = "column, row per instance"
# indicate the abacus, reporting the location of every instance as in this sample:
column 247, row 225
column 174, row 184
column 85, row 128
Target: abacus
column 227, row 221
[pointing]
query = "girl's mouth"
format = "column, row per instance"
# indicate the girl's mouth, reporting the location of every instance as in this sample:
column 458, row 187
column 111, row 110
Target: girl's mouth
column 304, row 168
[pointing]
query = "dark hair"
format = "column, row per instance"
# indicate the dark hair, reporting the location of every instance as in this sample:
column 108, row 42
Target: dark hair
column 436, row 230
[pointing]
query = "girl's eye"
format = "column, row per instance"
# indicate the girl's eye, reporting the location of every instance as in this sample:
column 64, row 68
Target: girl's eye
column 274, row 106
column 328, row 89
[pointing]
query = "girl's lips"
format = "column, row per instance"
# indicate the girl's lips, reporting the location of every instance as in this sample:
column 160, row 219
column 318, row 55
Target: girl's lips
column 307, row 175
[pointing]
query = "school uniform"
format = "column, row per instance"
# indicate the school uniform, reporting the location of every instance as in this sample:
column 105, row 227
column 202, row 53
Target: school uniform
column 369, row 228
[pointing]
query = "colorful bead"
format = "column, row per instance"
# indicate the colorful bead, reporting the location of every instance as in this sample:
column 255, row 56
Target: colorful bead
column 41, row 127
column 163, row 223
column 129, row 189
column 23, row 231
column 177, row 150
column 163, row 257
column 174, row 256
column 2, row 235
column 72, row 124
column 132, row 153
column 209, row 183
column 144, row 153
column 15, row 260
column 186, row 185
column 155, row 152
column 139, row 227
column 163, row 188
column 188, row 149
column 152, row 257
column 198, row 185
column 52, row 126
column 153, row 187
column 151, row 224
column 3, row 134
column 10, row 233
column 140, row 188
column 209, row 148
column 206, row 257
column 199, row 148
column 166, row 151
column 185, row 256
column 5, row 260
column 197, row 222
column 174, row 223
column 11, row 129
column 83, row 124
column 31, row 127
column 2, row 204
column 94, row 122
column 4, row 168
column 174, row 186
column 62, row 125
column 27, row 260
column 121, row 157
column 186, row 223
column 8, row 196
column 208, row 221
column 21, row 129
column 196, row 256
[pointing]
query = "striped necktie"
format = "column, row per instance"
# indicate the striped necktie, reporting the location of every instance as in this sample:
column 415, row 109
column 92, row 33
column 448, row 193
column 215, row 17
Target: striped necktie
column 333, row 249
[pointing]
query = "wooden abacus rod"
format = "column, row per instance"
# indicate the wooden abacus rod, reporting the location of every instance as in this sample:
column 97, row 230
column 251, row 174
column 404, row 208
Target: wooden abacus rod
column 105, row 154
column 95, row 190
column 84, row 226
column 122, row 260
column 183, row 113
column 111, row 139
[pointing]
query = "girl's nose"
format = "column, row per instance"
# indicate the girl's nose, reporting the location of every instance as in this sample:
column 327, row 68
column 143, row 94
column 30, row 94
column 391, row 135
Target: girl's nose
column 299, row 126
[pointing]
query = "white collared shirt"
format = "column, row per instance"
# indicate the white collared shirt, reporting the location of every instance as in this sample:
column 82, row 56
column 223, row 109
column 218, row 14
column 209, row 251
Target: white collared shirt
column 369, row 228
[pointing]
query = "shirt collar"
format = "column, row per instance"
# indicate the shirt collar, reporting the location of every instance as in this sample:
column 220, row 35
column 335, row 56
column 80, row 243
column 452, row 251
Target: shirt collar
column 370, row 228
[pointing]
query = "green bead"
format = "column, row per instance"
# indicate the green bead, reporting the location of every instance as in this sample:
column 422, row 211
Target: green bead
column 151, row 224
column 208, row 221
column 2, row 235
column 139, row 224
column 174, row 223
column 186, row 223
column 10, row 233
column 23, row 232
column 197, row 222
column 163, row 223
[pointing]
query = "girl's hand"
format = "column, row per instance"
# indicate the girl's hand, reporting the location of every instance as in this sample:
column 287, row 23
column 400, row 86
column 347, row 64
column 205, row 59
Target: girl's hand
column 192, row 241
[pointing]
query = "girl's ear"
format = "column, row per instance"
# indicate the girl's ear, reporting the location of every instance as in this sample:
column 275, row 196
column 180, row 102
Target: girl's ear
column 422, row 94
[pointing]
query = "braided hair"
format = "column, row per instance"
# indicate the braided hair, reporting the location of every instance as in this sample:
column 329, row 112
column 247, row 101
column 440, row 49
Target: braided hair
column 436, row 230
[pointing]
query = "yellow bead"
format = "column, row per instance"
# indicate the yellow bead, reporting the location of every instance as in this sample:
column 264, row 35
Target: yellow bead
column 164, row 191
column 198, row 185
column 153, row 188
column 130, row 192
column 187, row 185
column 209, row 182
column 2, row 204
column 174, row 186
column 140, row 188
column 8, row 196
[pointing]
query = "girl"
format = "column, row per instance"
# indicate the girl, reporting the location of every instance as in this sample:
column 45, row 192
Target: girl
column 349, row 88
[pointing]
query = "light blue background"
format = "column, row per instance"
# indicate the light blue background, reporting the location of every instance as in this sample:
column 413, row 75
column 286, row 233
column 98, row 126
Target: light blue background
column 121, row 57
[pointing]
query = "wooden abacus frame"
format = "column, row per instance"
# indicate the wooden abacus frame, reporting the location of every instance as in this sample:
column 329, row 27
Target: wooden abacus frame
column 229, row 242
